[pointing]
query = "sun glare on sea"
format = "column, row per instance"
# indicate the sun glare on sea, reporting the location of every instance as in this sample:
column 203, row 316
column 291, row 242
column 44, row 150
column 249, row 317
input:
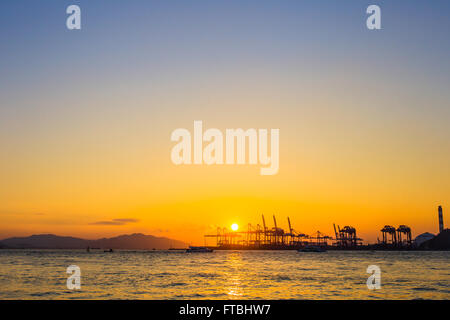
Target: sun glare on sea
column 234, row 227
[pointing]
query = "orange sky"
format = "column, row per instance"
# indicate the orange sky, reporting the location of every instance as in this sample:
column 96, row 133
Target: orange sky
column 340, row 162
column 74, row 187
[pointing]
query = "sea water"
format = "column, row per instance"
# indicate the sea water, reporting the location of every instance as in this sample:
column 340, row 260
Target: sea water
column 41, row 274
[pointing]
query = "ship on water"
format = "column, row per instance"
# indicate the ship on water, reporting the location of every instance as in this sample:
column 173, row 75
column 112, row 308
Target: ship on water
column 192, row 249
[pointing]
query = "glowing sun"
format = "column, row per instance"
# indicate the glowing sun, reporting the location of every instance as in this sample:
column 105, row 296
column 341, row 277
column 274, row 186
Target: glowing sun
column 234, row 227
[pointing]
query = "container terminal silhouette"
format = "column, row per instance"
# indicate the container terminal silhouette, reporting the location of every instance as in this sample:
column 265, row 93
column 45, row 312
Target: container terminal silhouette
column 262, row 237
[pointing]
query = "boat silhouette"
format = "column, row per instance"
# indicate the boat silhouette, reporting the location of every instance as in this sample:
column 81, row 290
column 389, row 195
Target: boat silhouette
column 198, row 249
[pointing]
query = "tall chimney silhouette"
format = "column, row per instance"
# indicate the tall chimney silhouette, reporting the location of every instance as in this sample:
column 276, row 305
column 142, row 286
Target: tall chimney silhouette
column 441, row 220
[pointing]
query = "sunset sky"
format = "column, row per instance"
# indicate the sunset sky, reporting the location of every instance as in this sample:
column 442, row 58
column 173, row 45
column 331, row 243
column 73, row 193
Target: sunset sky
column 86, row 115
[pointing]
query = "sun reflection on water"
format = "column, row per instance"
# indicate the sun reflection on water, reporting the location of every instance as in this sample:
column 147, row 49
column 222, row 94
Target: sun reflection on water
column 235, row 264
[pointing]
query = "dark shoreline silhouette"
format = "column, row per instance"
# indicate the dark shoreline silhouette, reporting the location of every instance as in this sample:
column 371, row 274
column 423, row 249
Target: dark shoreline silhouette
column 140, row 241
column 50, row 241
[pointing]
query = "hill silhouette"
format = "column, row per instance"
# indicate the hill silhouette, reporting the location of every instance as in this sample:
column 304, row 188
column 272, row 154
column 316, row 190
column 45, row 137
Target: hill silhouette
column 50, row 241
column 440, row 242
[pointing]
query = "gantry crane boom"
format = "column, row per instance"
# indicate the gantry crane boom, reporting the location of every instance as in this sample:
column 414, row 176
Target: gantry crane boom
column 290, row 228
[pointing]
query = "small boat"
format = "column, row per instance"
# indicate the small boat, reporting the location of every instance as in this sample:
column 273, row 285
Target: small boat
column 312, row 249
column 110, row 250
column 198, row 249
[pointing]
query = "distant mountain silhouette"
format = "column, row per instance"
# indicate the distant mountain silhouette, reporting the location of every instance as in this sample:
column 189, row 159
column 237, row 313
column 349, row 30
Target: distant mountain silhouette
column 51, row 241
column 137, row 241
